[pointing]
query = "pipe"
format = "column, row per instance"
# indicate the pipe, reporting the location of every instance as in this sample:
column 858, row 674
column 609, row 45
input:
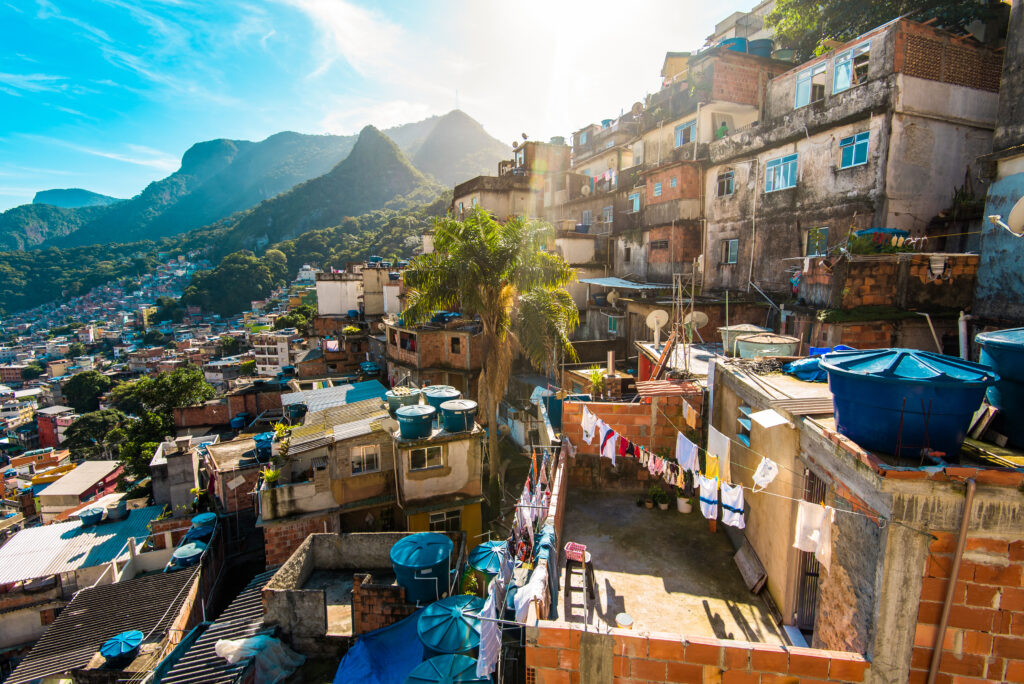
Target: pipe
column 965, row 347
column 961, row 542
column 935, row 338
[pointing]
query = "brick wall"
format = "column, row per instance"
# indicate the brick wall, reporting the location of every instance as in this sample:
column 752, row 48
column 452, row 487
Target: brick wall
column 377, row 605
column 280, row 539
column 177, row 526
column 553, row 653
column 687, row 186
column 985, row 635
column 684, row 240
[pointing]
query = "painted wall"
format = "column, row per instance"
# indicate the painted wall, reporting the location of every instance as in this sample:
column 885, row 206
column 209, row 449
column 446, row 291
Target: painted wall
column 460, row 472
column 1000, row 291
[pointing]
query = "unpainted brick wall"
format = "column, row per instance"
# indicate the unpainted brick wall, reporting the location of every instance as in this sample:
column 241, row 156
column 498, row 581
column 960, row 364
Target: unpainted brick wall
column 985, row 635
column 377, row 605
column 553, row 655
column 281, row 539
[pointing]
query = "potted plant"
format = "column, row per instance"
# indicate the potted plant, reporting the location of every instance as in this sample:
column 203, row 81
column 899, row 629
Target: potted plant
column 596, row 376
column 654, row 495
column 640, row 501
column 662, row 499
column 682, row 501
column 649, row 498
column 271, row 477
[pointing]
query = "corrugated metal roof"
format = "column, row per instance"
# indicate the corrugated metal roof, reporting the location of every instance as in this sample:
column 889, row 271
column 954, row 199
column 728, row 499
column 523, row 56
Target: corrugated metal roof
column 356, row 428
column 81, row 478
column 243, row 618
column 62, row 547
column 149, row 604
column 625, row 284
column 321, row 399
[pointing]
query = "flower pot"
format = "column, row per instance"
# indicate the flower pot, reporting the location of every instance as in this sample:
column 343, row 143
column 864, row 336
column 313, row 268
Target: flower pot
column 663, row 505
column 649, row 504
column 683, row 504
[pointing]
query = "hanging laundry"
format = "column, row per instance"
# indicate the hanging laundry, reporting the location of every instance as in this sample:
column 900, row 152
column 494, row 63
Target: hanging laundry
column 686, row 454
column 669, row 475
column 624, row 446
column 589, row 424
column 718, row 445
column 608, row 437
column 490, row 637
column 814, row 531
column 711, row 467
column 732, row 505
column 534, row 589
column 711, row 391
column 765, row 473
column 708, row 496
column 569, row 447
column 631, row 449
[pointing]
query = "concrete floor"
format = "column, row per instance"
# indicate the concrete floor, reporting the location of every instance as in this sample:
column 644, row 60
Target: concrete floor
column 337, row 587
column 663, row 568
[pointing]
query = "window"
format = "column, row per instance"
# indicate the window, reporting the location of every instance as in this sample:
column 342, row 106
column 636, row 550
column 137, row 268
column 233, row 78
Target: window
column 854, row 150
column 456, row 345
column 608, row 213
column 613, row 325
column 634, row 202
column 475, row 201
column 588, row 217
column 365, row 459
column 610, row 144
column 685, row 133
column 627, row 254
column 657, row 189
column 743, row 429
column 780, row 173
column 428, row 457
column 672, row 182
column 583, row 138
column 726, row 183
column 730, row 251
column 446, row 521
column 462, row 208
column 817, row 241
column 659, row 244
column 851, row 67
column 810, row 85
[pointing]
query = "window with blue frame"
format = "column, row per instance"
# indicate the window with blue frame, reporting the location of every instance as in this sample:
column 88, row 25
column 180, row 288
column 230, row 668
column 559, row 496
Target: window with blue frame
column 634, row 202
column 657, row 189
column 610, row 144
column 608, row 214
column 780, row 173
column 817, row 241
column 730, row 251
column 686, row 133
column 853, row 151
column 810, row 85
column 613, row 325
column 588, row 217
column 583, row 138
column 851, row 67
column 672, row 181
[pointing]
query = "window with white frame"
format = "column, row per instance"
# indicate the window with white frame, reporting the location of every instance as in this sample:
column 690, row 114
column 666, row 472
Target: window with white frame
column 851, row 67
column 446, row 521
column 726, row 183
column 810, row 85
column 365, row 459
column 780, row 173
column 608, row 213
column 588, row 217
column 730, row 251
column 817, row 241
column 633, row 202
column 657, row 189
column 853, row 151
column 427, row 457
column 685, row 133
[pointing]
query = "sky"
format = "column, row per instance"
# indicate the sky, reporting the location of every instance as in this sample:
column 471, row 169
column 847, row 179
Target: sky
column 108, row 94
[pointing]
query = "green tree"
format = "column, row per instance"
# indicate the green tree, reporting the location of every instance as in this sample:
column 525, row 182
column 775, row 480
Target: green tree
column 76, row 349
column 229, row 346
column 138, row 439
column 248, row 368
column 83, row 391
column 93, row 435
column 803, row 24
column 32, row 370
column 153, row 337
column 184, row 386
column 500, row 273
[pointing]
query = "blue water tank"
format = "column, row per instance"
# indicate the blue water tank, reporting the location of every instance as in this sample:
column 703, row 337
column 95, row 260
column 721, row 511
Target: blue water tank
column 737, row 44
column 421, row 565
column 90, row 516
column 458, row 415
column 375, row 259
column 439, row 394
column 1003, row 352
column 415, row 422
column 487, row 557
column 353, row 313
column 402, row 396
column 451, row 625
column 122, row 648
column 761, row 47
column 187, row 555
column 916, row 398
column 446, row 669
column 204, row 519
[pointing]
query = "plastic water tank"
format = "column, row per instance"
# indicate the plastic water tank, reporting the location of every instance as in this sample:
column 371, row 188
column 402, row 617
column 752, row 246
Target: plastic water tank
column 451, row 625
column 458, row 415
column 421, row 565
column 730, row 333
column 439, row 394
column 446, row 669
column 762, row 47
column 187, row 555
column 737, row 44
column 415, row 422
column 90, row 516
column 1003, row 352
column 121, row 649
column 916, row 398
column 402, row 396
column 375, row 259
column 766, row 344
column 486, row 557
column 117, row 510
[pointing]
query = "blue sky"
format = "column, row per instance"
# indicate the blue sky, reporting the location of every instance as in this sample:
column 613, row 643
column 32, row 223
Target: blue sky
column 108, row 94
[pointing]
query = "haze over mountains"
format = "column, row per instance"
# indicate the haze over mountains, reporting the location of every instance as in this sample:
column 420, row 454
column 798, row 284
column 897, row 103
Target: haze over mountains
column 303, row 181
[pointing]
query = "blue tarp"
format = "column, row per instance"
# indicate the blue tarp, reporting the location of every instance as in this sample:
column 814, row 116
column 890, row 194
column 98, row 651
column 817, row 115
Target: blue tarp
column 808, row 370
column 385, row 656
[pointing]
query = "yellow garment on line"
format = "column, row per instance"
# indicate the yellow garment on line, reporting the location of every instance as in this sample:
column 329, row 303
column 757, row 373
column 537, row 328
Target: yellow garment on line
column 711, row 467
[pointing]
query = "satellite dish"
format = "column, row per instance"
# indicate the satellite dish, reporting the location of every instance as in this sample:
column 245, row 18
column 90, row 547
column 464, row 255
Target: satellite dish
column 1016, row 218
column 638, row 109
column 585, row 190
column 696, row 319
column 613, row 297
column 389, row 424
column 657, row 319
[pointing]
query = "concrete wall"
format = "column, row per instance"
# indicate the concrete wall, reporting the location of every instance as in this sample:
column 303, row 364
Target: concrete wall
column 460, row 473
column 1010, row 128
column 575, row 250
column 335, row 296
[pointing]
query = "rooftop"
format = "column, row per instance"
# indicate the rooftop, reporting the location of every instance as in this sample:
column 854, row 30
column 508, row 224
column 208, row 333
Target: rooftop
column 226, row 455
column 64, row 547
column 328, row 397
column 82, row 478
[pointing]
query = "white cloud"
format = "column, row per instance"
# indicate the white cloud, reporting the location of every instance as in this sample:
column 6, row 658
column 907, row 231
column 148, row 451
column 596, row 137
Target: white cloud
column 345, row 118
column 140, row 155
column 34, row 83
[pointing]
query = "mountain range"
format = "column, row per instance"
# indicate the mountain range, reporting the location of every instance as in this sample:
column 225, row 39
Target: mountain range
column 283, row 185
column 72, row 198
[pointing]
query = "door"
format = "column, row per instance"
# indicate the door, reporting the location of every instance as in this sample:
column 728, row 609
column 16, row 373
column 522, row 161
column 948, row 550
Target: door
column 808, row 567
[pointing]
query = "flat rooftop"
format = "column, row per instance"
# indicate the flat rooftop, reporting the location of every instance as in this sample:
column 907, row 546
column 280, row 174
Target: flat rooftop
column 663, row 568
column 226, row 455
column 337, row 588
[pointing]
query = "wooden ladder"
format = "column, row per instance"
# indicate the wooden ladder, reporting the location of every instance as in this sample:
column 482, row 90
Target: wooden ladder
column 666, row 354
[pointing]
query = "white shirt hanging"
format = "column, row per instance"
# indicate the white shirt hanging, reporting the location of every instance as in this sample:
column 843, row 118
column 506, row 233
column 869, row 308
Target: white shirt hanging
column 490, row 638
column 686, row 454
column 589, row 423
column 732, row 505
column 814, row 531
column 708, row 496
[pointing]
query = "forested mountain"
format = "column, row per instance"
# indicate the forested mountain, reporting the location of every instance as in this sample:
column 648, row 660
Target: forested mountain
column 218, row 178
column 71, row 198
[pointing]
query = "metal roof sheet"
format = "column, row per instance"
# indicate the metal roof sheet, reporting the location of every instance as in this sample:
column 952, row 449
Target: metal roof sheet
column 327, row 397
column 62, row 547
column 625, row 284
column 81, row 478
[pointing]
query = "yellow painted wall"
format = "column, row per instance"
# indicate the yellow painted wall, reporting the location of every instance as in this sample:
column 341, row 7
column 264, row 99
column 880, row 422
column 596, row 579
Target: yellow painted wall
column 472, row 523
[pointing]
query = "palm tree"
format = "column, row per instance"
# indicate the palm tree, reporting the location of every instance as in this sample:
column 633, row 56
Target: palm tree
column 500, row 273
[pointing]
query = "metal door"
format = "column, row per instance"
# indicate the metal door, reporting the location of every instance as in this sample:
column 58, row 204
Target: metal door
column 808, row 567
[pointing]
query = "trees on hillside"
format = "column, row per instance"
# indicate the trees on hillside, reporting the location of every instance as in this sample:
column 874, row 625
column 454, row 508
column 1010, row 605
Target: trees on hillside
column 500, row 273
column 803, row 24
column 94, row 434
column 83, row 391
column 239, row 278
column 181, row 387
